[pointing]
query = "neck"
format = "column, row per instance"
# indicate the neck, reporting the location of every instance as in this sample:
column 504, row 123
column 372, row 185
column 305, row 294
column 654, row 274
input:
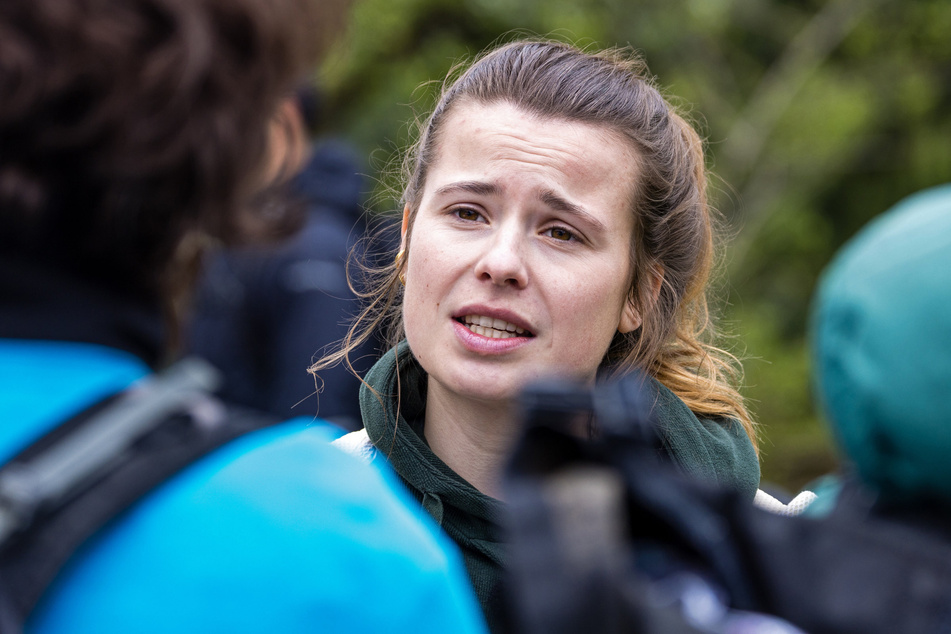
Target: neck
column 474, row 438
column 44, row 300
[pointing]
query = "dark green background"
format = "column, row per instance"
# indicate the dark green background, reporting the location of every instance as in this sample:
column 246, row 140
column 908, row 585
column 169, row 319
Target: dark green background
column 817, row 115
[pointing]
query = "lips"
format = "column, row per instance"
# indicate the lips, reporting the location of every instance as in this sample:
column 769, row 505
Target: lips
column 493, row 327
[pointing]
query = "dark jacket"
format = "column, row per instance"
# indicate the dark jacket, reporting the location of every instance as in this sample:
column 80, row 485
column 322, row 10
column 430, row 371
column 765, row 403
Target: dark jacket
column 722, row 452
column 263, row 314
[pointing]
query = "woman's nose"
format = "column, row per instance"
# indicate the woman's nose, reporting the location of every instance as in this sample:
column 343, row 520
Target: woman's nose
column 503, row 259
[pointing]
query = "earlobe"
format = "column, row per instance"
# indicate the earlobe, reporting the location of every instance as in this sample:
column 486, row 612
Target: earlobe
column 630, row 318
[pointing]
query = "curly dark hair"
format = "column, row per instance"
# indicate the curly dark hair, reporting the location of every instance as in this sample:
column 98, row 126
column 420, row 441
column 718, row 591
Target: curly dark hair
column 126, row 125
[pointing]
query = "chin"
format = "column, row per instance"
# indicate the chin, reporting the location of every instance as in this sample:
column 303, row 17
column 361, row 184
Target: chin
column 493, row 392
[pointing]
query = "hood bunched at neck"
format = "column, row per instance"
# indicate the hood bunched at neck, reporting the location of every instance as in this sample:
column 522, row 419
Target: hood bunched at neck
column 393, row 417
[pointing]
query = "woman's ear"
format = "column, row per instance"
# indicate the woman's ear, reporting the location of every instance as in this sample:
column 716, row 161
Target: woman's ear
column 403, row 227
column 631, row 318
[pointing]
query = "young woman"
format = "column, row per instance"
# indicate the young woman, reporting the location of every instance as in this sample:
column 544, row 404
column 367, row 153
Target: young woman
column 555, row 223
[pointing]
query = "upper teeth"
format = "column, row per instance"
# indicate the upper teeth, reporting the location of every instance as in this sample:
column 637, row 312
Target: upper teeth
column 491, row 327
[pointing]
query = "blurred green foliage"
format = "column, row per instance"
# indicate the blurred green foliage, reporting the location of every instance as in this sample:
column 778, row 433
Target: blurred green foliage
column 818, row 116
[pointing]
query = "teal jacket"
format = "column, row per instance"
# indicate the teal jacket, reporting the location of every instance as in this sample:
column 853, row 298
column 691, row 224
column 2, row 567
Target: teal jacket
column 718, row 450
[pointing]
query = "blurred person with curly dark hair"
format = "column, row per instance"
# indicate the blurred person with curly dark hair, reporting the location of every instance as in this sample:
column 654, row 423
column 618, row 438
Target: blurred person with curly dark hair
column 132, row 133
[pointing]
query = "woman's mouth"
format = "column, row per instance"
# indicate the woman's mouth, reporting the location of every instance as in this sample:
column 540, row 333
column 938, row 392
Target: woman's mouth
column 492, row 327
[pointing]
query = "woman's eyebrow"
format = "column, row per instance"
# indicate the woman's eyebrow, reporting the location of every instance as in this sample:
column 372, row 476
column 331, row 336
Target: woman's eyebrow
column 558, row 203
column 471, row 187
column 549, row 198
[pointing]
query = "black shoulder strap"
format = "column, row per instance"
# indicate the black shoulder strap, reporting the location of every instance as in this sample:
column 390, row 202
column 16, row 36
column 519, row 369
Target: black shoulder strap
column 67, row 485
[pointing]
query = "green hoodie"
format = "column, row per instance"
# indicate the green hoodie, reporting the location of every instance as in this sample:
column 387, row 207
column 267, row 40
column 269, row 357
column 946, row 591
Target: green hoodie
column 720, row 451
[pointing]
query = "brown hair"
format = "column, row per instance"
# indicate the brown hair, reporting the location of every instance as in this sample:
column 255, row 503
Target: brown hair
column 127, row 125
column 674, row 230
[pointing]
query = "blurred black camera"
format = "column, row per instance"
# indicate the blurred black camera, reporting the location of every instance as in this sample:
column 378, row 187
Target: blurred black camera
column 607, row 535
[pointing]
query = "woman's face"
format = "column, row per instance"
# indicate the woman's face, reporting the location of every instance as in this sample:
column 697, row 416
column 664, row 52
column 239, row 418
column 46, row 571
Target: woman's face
column 519, row 264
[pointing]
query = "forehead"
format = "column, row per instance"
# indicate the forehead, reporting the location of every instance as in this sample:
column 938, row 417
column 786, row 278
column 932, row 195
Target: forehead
column 501, row 135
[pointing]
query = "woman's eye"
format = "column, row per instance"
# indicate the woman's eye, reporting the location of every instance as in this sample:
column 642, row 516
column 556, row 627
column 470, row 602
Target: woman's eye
column 560, row 233
column 464, row 213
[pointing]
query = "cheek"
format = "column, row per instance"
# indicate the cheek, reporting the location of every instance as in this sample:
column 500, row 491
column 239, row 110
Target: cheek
column 415, row 304
column 425, row 274
column 591, row 317
column 426, row 283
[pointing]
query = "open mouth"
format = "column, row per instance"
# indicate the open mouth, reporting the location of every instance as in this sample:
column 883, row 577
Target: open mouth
column 492, row 327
